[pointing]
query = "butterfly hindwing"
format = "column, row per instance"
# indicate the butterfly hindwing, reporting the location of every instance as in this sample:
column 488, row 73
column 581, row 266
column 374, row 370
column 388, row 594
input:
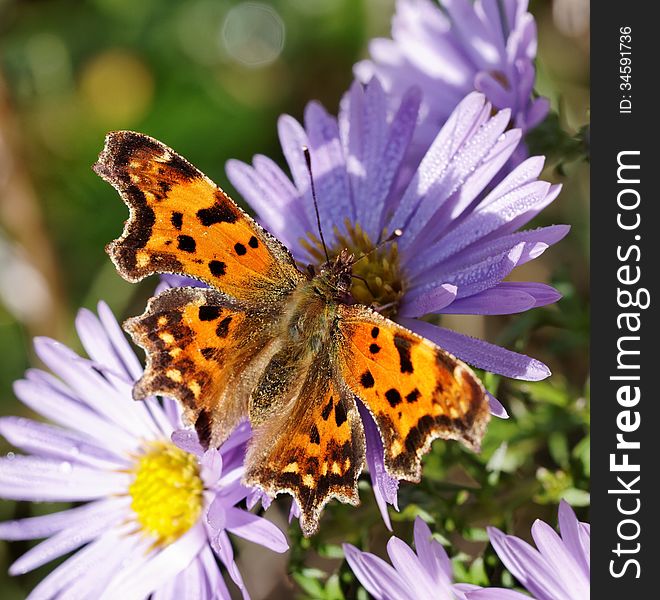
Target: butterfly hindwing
column 181, row 222
column 415, row 391
column 314, row 449
column 200, row 350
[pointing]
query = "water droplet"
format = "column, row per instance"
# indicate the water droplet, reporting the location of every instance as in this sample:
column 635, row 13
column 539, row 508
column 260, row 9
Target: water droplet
column 66, row 467
column 11, row 456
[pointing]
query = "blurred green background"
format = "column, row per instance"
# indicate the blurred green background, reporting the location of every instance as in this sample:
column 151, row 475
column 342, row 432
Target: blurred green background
column 210, row 78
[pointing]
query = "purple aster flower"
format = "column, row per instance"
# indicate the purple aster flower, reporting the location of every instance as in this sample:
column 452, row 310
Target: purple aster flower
column 459, row 243
column 557, row 569
column 156, row 510
column 422, row 575
column 453, row 49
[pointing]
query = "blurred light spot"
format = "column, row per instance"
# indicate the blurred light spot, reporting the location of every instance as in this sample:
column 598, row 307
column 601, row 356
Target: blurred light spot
column 49, row 62
column 253, row 34
column 117, row 87
column 30, row 300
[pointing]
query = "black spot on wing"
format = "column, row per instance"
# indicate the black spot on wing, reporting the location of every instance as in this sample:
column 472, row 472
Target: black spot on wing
column 217, row 268
column 340, row 414
column 223, row 327
column 413, row 396
column 209, row 353
column 374, row 348
column 183, row 168
column 220, row 212
column 209, row 313
column 374, row 332
column 177, row 220
column 393, row 397
column 367, row 379
column 240, row 249
column 403, row 346
column 254, row 242
column 186, row 243
column 165, row 187
column 327, row 409
column 203, row 427
column 314, row 436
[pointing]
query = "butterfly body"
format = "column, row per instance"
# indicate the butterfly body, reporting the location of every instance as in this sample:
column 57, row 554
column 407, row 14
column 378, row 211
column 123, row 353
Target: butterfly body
column 289, row 350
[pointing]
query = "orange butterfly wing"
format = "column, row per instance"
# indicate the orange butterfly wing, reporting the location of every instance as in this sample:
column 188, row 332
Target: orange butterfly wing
column 201, row 350
column 313, row 450
column 181, row 222
column 415, row 391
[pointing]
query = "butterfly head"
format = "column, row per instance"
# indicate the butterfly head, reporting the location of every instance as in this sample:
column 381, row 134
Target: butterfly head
column 336, row 275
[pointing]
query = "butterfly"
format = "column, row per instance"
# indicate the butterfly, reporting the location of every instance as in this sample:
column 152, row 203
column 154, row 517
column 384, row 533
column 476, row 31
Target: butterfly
column 283, row 346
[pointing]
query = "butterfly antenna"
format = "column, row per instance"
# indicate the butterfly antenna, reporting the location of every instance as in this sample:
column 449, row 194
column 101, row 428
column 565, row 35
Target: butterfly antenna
column 363, row 280
column 397, row 233
column 308, row 161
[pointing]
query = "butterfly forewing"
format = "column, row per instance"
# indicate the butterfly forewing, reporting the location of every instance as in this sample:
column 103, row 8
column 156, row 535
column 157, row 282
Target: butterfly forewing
column 181, row 222
column 415, row 391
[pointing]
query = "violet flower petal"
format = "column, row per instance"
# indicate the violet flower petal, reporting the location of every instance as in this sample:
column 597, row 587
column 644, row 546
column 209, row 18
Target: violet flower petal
column 527, row 565
column 495, row 594
column 377, row 577
column 83, row 531
column 223, row 548
column 32, row 528
column 53, row 442
column 430, row 298
column 142, row 577
column 62, row 409
column 187, row 440
column 119, row 342
column 569, row 527
column 255, row 529
column 82, row 563
column 498, row 300
column 431, row 554
column 481, row 354
column 554, row 551
column 407, row 565
column 496, row 407
column 385, row 486
column 42, row 480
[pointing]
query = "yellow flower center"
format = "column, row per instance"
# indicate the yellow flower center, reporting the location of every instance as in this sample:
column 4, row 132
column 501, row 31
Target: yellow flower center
column 166, row 492
column 377, row 279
